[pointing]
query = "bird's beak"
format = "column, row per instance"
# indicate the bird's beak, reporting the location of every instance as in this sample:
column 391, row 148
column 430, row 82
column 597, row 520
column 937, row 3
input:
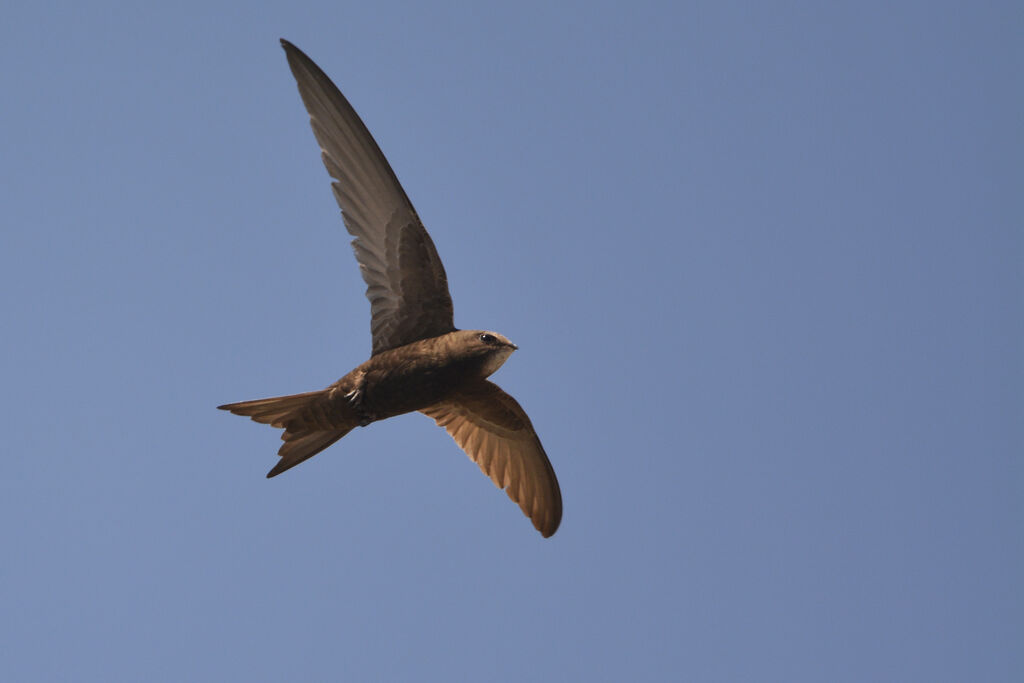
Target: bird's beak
column 514, row 347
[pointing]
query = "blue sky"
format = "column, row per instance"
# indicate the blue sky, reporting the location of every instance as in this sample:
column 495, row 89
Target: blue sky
column 763, row 264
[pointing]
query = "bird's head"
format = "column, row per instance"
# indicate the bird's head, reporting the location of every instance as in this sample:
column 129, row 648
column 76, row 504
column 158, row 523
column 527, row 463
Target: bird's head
column 491, row 348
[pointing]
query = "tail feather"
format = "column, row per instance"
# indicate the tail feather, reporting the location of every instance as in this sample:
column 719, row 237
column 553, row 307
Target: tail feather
column 301, row 446
column 276, row 411
column 311, row 421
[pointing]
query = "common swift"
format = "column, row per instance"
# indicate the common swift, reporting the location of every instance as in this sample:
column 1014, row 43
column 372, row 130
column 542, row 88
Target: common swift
column 420, row 361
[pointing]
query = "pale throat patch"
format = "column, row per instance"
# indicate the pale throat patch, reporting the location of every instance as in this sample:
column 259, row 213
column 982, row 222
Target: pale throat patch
column 496, row 360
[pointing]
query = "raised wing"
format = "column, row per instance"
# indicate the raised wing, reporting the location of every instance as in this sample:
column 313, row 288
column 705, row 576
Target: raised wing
column 493, row 430
column 405, row 281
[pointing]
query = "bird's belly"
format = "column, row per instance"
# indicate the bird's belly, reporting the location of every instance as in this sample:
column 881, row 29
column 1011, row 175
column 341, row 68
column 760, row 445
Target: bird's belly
column 396, row 391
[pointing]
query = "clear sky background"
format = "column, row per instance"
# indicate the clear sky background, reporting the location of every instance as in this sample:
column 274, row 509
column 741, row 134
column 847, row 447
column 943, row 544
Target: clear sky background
column 763, row 262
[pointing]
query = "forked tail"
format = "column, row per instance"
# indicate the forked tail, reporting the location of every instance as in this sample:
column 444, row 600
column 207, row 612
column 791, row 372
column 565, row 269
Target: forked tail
column 311, row 423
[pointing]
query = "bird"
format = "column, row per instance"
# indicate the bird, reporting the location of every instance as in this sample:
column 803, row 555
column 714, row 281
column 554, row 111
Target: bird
column 419, row 361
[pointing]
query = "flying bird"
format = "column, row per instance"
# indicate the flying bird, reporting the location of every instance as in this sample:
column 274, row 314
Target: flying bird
column 420, row 361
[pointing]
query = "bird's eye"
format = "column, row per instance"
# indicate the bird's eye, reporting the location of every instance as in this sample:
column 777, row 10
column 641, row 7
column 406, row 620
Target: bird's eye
column 487, row 338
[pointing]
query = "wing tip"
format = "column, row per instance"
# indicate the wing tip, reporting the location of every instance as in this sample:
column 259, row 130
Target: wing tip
column 547, row 523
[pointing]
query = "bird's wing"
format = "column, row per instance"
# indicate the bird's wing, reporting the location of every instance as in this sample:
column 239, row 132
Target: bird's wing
column 405, row 281
column 495, row 432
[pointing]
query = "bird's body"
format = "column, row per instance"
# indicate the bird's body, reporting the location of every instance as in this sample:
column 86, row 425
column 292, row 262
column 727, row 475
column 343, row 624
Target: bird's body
column 394, row 382
column 420, row 361
column 418, row 375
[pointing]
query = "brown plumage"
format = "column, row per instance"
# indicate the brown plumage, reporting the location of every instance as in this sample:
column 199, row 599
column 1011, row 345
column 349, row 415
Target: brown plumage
column 420, row 361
